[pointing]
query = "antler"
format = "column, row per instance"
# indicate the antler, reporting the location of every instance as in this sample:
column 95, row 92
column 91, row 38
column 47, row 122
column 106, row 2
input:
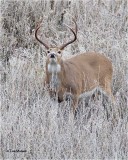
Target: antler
column 37, row 28
column 75, row 36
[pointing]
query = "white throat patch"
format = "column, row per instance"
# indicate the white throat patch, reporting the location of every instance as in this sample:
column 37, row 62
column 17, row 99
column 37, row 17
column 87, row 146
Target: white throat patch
column 54, row 68
column 54, row 80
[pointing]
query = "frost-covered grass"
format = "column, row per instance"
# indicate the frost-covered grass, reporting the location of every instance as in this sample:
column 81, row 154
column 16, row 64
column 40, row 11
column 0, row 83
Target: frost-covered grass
column 30, row 121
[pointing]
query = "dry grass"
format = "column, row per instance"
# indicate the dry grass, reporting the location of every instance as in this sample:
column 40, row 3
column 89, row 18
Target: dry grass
column 30, row 121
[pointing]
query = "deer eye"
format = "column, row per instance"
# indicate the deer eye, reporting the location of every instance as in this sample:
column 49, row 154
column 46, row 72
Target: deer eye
column 59, row 52
column 48, row 51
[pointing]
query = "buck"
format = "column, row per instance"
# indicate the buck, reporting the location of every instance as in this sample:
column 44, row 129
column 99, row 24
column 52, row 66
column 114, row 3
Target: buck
column 81, row 73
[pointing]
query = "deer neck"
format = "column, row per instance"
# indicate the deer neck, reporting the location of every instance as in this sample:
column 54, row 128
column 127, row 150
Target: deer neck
column 54, row 72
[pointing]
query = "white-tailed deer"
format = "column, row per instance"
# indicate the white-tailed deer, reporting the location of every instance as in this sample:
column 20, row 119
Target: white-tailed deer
column 78, row 74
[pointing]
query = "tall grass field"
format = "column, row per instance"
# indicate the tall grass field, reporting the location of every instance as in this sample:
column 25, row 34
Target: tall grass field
column 32, row 126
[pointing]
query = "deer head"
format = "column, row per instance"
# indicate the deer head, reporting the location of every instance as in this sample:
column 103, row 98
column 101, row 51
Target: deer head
column 54, row 54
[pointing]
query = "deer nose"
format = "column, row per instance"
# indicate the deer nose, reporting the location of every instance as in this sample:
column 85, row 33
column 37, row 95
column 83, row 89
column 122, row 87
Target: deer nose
column 52, row 55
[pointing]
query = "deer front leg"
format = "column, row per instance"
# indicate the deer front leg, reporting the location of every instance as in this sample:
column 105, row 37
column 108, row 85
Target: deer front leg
column 75, row 103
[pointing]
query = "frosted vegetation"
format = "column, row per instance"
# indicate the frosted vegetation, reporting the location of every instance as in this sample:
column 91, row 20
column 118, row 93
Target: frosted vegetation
column 30, row 121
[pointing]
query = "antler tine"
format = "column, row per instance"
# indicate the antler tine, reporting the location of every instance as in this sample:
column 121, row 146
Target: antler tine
column 37, row 28
column 75, row 36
